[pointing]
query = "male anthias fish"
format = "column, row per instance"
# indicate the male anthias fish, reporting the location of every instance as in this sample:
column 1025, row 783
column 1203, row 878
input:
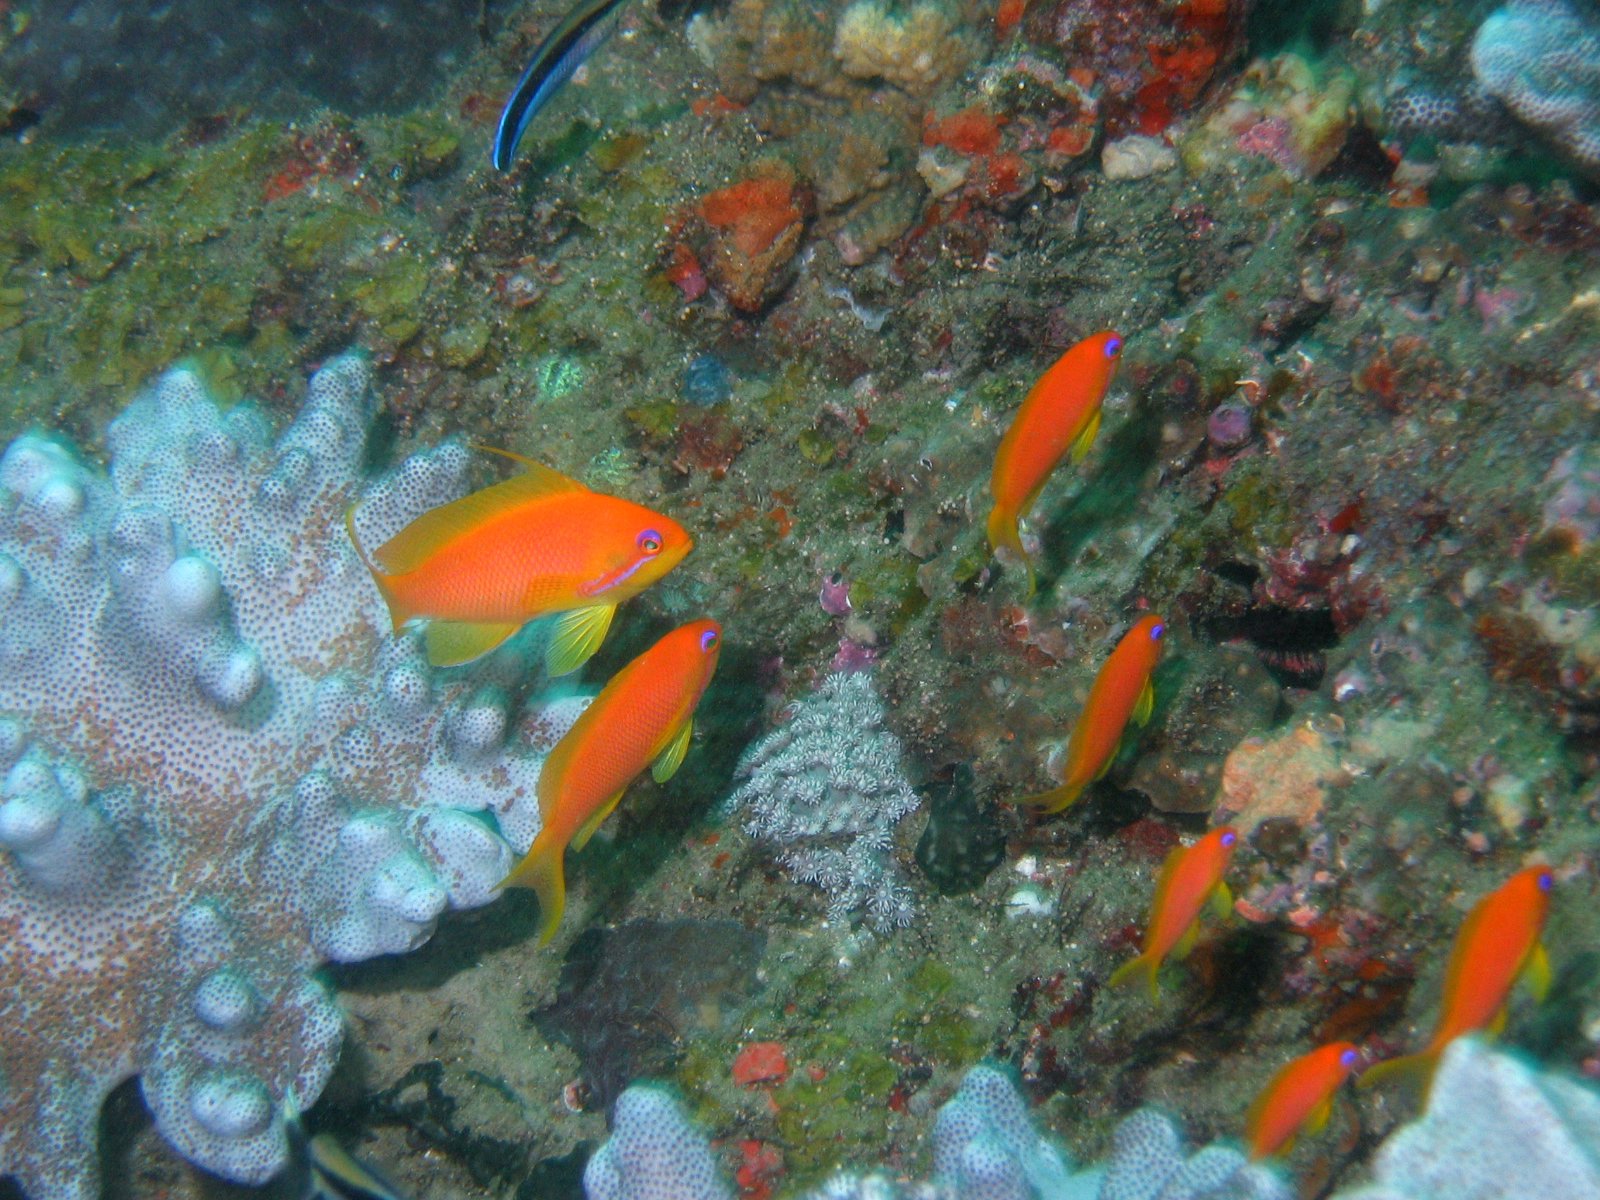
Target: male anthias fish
column 1298, row 1097
column 481, row 567
column 1121, row 693
column 1190, row 879
column 1059, row 416
column 644, row 715
column 1497, row 945
column 566, row 48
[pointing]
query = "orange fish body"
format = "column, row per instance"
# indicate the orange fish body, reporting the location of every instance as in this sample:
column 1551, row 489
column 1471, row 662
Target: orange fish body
column 1190, row 878
column 1059, row 416
column 1299, row 1097
column 481, row 567
column 644, row 714
column 1121, row 693
column 1498, row 944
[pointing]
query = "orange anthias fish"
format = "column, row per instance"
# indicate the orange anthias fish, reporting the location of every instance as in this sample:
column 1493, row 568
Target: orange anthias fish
column 644, row 714
column 1121, row 693
column 1299, row 1097
column 481, row 567
column 1497, row 945
column 1059, row 416
column 1190, row 878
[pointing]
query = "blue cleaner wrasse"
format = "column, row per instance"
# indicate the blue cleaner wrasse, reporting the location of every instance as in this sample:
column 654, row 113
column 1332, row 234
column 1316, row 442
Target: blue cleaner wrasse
column 560, row 54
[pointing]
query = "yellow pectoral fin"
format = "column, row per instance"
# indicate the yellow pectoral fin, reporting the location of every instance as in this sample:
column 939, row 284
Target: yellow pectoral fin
column 451, row 643
column 577, row 636
column 1221, row 901
column 1318, row 1120
column 1414, row 1068
column 596, row 819
column 1145, row 705
column 670, row 759
column 1536, row 973
column 1186, row 943
column 1080, row 447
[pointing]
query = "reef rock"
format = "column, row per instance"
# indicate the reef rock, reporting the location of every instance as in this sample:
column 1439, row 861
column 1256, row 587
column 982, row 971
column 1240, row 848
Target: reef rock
column 220, row 770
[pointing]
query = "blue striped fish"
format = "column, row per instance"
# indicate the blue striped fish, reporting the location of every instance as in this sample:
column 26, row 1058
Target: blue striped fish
column 558, row 56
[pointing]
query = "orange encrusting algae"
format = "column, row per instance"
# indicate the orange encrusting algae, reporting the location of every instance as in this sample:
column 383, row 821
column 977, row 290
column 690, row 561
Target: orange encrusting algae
column 1298, row 1097
column 1190, row 879
column 481, row 567
column 1059, row 416
column 1498, row 944
column 644, row 714
column 1121, row 693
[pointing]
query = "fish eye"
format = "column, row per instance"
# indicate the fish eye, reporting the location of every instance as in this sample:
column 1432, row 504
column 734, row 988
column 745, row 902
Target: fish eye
column 1546, row 881
column 1113, row 347
column 708, row 640
column 1156, row 631
column 1349, row 1058
column 1229, row 838
column 650, row 542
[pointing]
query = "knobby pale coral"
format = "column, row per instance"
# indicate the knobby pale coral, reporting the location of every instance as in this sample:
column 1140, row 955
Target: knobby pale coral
column 828, row 788
column 220, row 771
column 1542, row 59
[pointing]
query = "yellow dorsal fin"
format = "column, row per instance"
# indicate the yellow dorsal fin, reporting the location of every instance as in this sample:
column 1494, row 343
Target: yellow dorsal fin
column 1536, row 971
column 419, row 541
column 595, row 819
column 1145, row 704
column 1221, row 901
column 451, row 643
column 671, row 758
column 577, row 636
column 1084, row 440
column 1186, row 943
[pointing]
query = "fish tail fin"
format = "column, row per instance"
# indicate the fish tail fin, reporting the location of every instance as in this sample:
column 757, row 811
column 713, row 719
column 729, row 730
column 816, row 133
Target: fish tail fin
column 542, row 870
column 1003, row 532
column 1056, row 799
column 1146, row 963
column 1416, row 1069
column 399, row 613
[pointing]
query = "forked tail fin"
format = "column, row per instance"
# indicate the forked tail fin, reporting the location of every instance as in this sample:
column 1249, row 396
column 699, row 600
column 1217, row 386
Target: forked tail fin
column 1003, row 532
column 1055, row 799
column 398, row 613
column 542, row 870
column 1129, row 971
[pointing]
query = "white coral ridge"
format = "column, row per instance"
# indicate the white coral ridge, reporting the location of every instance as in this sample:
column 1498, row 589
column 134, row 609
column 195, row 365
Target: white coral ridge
column 218, row 769
column 1496, row 1128
column 828, row 788
column 653, row 1153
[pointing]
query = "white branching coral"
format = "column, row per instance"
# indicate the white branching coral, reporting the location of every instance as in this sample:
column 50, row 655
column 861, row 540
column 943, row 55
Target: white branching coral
column 828, row 789
column 218, row 769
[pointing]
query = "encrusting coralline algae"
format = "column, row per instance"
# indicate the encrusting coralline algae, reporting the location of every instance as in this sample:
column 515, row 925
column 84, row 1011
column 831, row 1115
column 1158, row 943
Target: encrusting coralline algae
column 221, row 771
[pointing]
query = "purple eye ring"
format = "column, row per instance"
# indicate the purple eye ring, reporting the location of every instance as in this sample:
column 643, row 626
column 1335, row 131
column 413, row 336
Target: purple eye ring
column 1156, row 631
column 1546, row 881
column 1113, row 346
column 708, row 640
column 1350, row 1058
column 650, row 542
column 1229, row 838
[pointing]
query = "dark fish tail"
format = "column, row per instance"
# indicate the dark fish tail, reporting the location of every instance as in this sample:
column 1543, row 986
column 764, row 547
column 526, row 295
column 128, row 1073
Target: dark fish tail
column 557, row 57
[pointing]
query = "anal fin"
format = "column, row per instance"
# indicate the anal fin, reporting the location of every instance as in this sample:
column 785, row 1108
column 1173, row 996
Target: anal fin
column 451, row 643
column 595, row 819
column 1081, row 445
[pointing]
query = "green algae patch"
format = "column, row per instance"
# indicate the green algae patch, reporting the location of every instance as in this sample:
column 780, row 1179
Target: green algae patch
column 822, row 1122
